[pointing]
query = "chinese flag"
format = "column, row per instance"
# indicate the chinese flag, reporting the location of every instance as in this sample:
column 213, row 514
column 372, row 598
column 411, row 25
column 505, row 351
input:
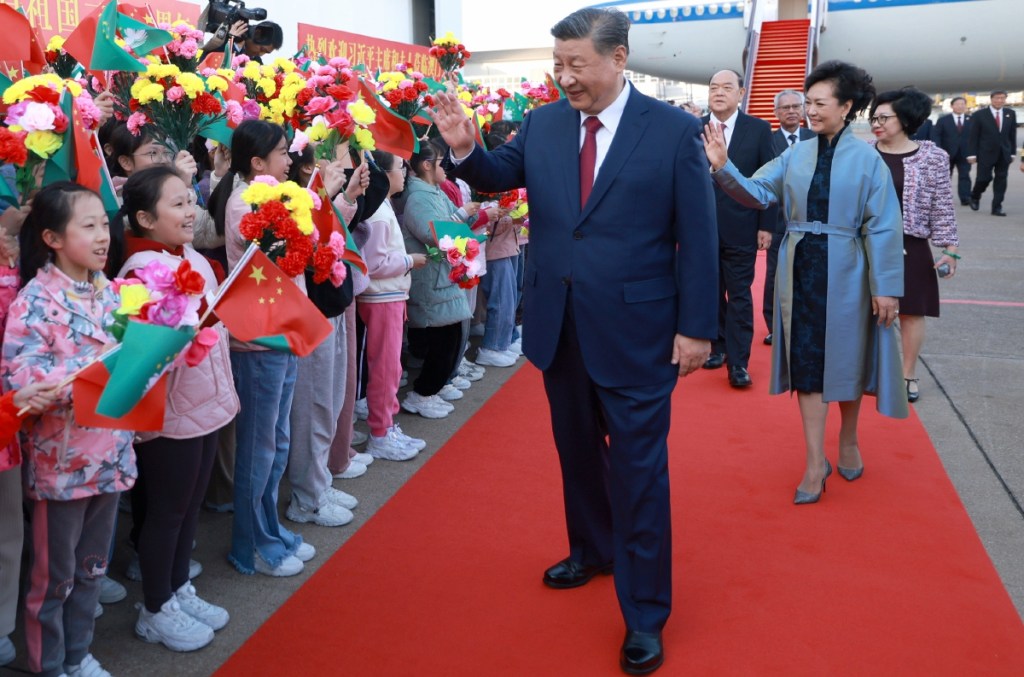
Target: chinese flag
column 21, row 43
column 328, row 220
column 260, row 304
column 391, row 132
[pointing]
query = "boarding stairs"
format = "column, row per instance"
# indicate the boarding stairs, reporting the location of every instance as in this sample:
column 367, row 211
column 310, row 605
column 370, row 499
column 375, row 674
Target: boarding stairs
column 779, row 62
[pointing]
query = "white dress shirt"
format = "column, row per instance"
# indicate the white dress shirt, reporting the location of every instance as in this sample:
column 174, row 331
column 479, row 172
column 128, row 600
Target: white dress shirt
column 795, row 133
column 730, row 124
column 610, row 118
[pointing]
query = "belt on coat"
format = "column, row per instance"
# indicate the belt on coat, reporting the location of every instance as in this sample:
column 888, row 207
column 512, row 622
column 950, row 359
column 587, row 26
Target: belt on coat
column 817, row 227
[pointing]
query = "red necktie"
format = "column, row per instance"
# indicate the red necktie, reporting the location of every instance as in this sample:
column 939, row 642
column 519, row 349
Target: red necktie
column 999, row 120
column 588, row 158
column 959, row 124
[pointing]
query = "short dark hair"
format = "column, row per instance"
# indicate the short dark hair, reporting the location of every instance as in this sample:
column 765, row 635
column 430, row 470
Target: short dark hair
column 251, row 139
column 911, row 106
column 142, row 191
column 957, row 98
column 998, row 91
column 267, row 33
column 849, row 83
column 52, row 209
column 607, row 28
column 428, row 152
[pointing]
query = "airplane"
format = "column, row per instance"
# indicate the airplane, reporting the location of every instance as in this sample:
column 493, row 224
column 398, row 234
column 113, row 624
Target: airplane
column 938, row 46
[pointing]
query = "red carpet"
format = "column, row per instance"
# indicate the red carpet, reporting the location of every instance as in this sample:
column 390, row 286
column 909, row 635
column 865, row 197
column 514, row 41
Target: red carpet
column 886, row 576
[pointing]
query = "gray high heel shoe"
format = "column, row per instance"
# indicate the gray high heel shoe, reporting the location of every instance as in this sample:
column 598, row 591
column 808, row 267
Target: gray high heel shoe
column 802, row 497
column 849, row 474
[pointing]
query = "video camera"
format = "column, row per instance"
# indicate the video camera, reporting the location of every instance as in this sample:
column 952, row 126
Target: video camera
column 222, row 14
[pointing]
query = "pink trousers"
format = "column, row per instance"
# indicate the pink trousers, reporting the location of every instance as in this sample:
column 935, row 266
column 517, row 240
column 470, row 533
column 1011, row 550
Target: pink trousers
column 384, row 323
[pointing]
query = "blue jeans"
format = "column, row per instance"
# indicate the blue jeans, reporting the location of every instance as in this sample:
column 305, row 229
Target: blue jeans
column 520, row 278
column 265, row 381
column 499, row 284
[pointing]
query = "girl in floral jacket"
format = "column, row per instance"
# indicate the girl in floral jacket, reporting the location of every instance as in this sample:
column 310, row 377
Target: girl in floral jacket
column 71, row 474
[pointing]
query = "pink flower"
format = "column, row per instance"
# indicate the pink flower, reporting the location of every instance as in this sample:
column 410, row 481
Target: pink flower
column 15, row 112
column 251, row 109
column 135, row 122
column 38, row 117
column 454, row 257
column 317, row 203
column 472, row 249
column 156, row 276
column 175, row 93
column 169, row 310
column 299, row 143
column 319, row 104
column 339, row 62
column 405, row 84
column 200, row 346
column 188, row 48
column 88, row 111
column 265, row 178
column 337, row 244
column 338, row 273
column 234, row 112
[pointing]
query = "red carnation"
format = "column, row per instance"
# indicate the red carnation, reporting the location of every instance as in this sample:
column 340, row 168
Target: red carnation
column 469, row 282
column 410, row 94
column 187, row 280
column 12, row 147
column 304, row 96
column 339, row 93
column 457, row 272
column 472, row 249
column 428, row 100
column 44, row 94
column 342, row 121
column 206, row 104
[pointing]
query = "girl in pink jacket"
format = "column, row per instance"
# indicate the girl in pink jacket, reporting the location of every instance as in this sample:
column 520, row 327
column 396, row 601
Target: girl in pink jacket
column 175, row 464
column 71, row 474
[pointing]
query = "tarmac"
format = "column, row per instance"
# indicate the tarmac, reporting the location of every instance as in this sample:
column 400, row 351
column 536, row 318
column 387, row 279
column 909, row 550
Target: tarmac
column 972, row 405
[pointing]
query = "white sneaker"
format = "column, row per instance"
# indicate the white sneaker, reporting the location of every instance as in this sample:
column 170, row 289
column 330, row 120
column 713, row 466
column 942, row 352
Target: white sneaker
column 427, row 407
column 449, row 393
column 516, row 348
column 404, row 381
column 111, row 591
column 363, row 457
column 359, row 438
column 495, row 358
column 362, row 409
column 390, row 447
column 411, row 442
column 211, row 615
column 89, row 667
column 477, row 329
column 461, row 383
column 305, row 552
column 471, row 371
column 443, row 403
column 172, row 627
column 289, row 566
column 134, row 572
column 355, row 469
column 338, row 497
column 327, row 515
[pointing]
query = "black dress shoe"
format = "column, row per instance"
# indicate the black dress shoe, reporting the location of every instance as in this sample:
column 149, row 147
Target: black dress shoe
column 998, row 212
column 642, row 652
column 569, row 574
column 768, row 339
column 975, row 205
column 964, row 203
column 739, row 377
column 715, row 361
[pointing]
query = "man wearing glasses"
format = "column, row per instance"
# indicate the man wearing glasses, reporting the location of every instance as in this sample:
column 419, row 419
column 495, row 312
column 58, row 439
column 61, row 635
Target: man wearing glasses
column 789, row 111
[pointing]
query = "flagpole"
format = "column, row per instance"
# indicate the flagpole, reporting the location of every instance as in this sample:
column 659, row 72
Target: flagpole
column 75, row 374
column 152, row 17
column 232, row 276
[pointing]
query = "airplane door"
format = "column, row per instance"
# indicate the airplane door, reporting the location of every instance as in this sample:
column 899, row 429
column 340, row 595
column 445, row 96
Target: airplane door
column 792, row 9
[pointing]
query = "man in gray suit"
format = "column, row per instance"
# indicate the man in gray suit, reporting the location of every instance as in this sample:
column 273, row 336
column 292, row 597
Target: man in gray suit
column 789, row 111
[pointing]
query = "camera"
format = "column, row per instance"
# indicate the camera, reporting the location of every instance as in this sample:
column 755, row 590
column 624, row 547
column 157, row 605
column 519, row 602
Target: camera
column 222, row 14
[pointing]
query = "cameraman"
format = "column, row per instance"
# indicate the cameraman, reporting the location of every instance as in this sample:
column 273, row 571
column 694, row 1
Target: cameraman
column 255, row 42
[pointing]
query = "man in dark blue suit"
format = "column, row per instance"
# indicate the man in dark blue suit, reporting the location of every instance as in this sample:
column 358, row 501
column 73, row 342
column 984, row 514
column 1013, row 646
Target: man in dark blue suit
column 619, row 301
column 789, row 111
column 950, row 134
column 991, row 144
column 741, row 231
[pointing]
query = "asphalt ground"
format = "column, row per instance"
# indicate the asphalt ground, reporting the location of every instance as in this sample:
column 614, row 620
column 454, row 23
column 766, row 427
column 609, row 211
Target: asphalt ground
column 972, row 405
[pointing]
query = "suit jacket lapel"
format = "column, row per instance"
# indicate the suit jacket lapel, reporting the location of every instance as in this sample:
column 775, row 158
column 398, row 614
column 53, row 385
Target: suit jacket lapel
column 631, row 128
column 737, row 135
column 569, row 147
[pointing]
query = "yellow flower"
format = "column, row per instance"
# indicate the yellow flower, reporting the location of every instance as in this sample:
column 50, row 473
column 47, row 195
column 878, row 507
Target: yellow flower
column 257, row 193
column 267, row 85
column 21, row 88
column 227, row 74
column 162, row 70
column 43, row 144
column 216, row 83
column 446, row 39
column 284, row 65
column 150, row 92
column 460, row 244
column 55, row 43
column 192, row 84
column 317, row 132
column 251, row 71
column 465, row 96
column 139, row 85
column 73, row 87
column 363, row 138
column 361, row 114
column 133, row 297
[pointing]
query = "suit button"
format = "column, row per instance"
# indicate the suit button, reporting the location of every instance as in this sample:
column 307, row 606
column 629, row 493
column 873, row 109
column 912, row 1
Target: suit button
column 567, row 281
column 577, row 235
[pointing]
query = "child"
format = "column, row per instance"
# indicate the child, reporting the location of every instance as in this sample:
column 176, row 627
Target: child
column 72, row 474
column 264, row 379
column 175, row 465
column 382, row 309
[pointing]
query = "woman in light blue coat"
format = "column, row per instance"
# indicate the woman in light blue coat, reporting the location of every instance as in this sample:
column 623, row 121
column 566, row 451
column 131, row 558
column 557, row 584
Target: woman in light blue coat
column 840, row 269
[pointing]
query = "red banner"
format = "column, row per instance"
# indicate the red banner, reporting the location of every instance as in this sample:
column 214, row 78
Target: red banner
column 373, row 53
column 60, row 17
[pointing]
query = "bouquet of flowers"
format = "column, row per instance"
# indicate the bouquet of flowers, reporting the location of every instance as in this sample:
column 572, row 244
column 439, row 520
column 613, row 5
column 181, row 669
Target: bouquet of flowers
column 271, row 90
column 36, row 124
column 180, row 105
column 539, row 93
column 59, row 61
column 488, row 105
column 404, row 91
column 164, row 297
column 462, row 254
column 449, row 52
column 183, row 50
column 331, row 113
column 281, row 222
